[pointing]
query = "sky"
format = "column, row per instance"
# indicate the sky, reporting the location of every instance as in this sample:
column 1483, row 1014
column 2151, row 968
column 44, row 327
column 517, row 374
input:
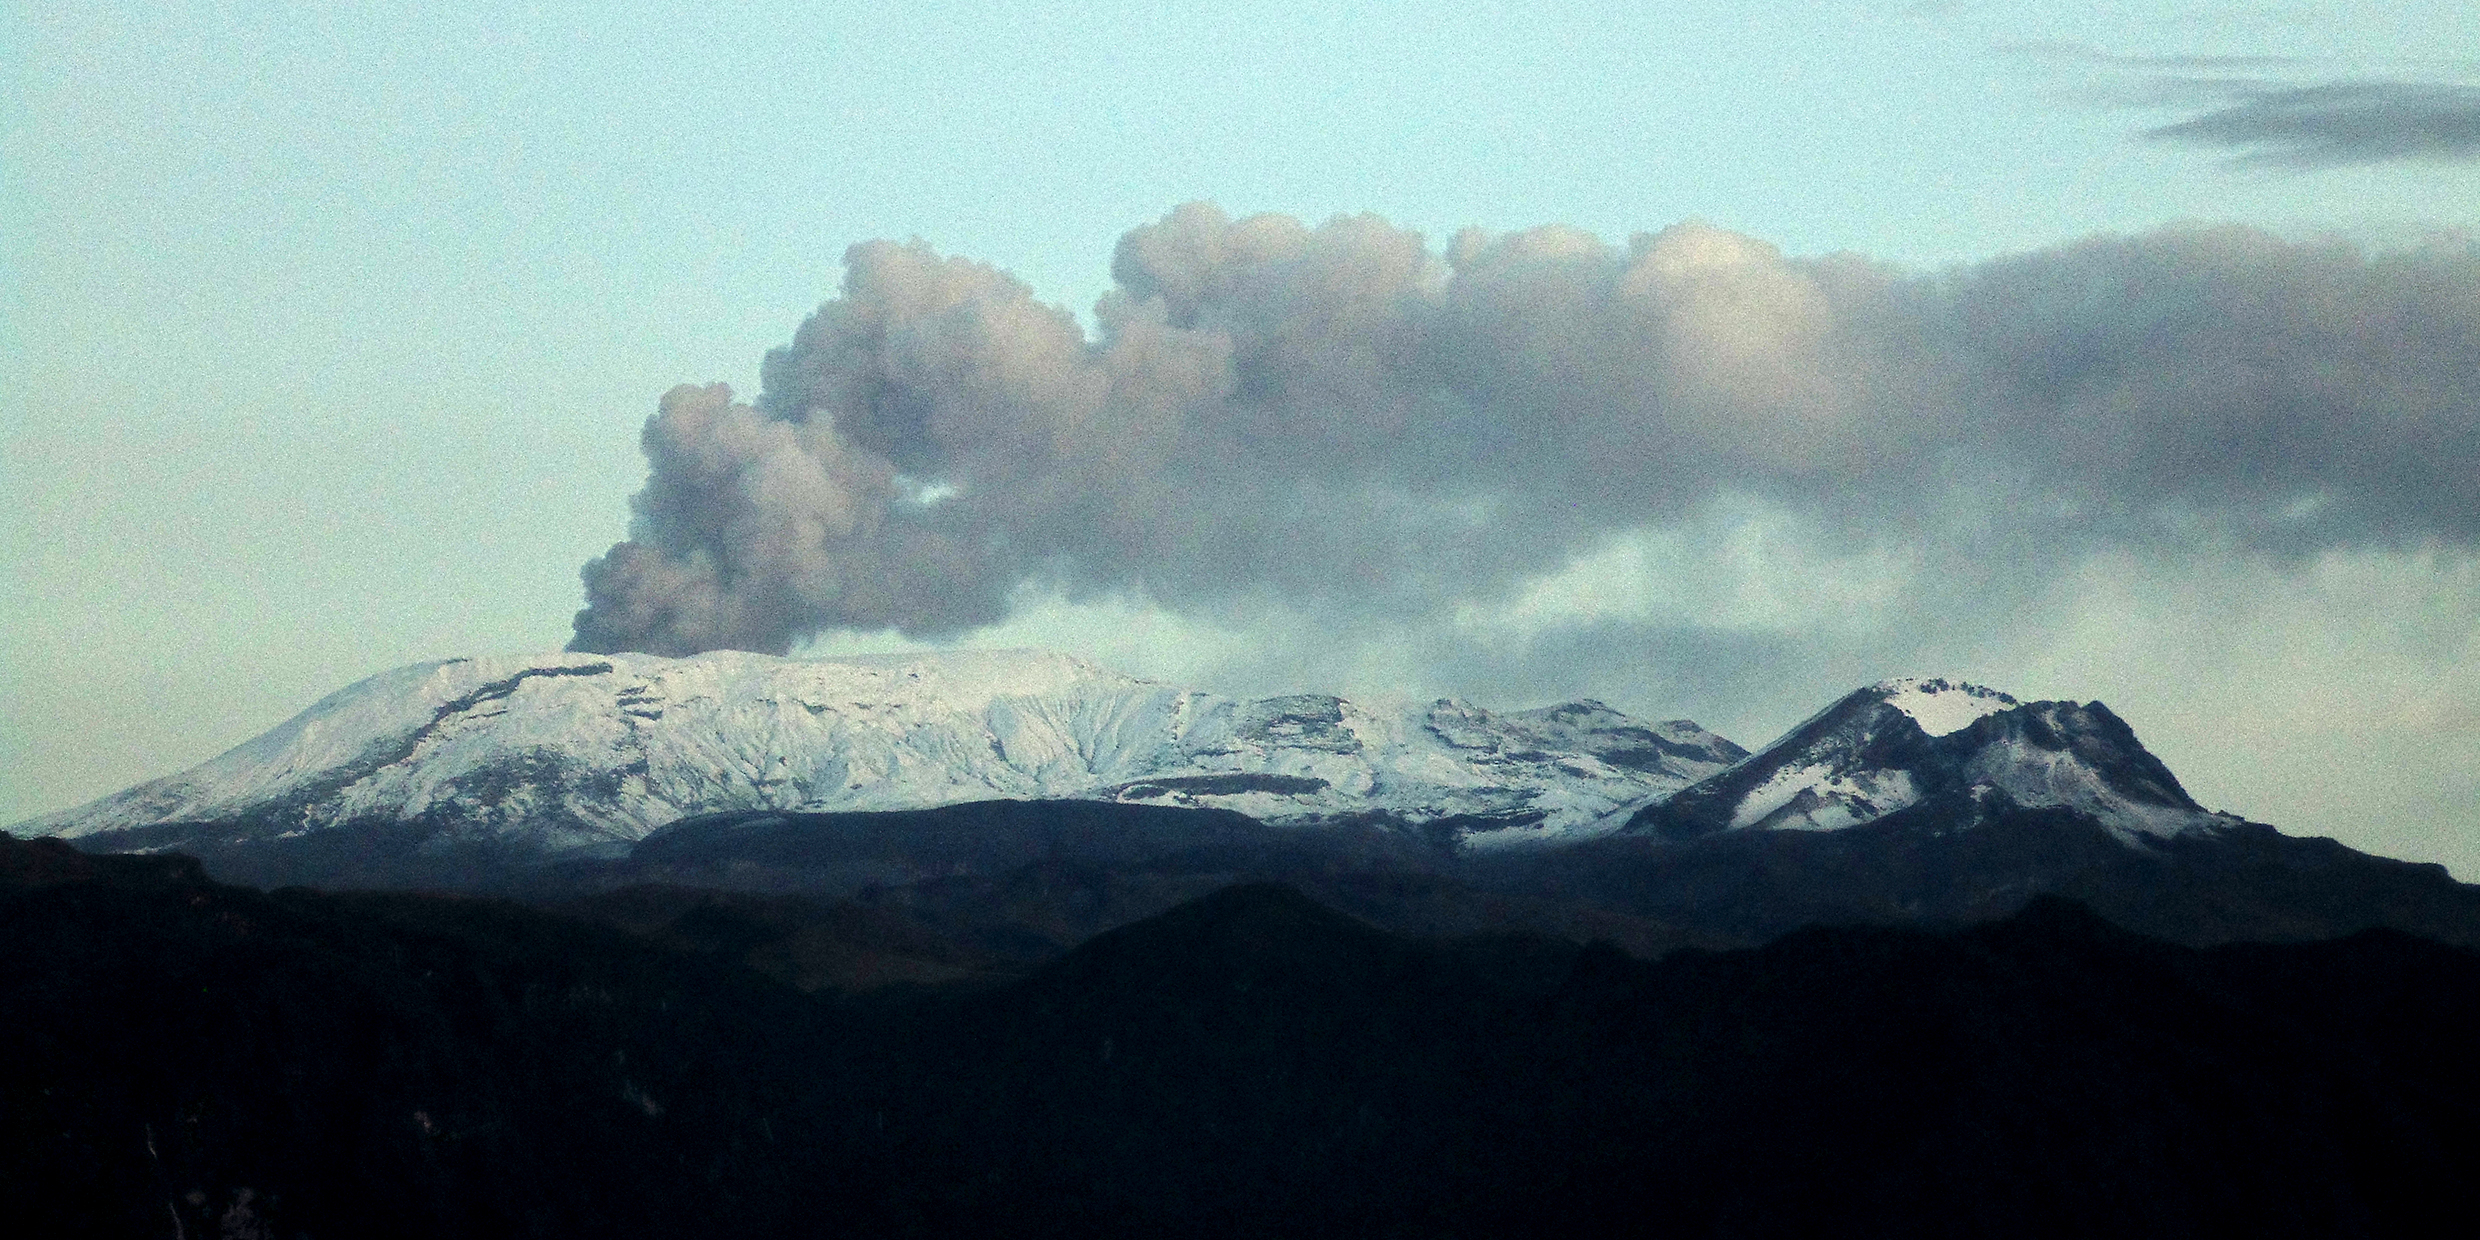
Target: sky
column 1709, row 360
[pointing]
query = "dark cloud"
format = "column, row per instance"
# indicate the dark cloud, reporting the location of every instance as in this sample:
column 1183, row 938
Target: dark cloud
column 2339, row 123
column 2261, row 109
column 1370, row 428
column 2088, row 56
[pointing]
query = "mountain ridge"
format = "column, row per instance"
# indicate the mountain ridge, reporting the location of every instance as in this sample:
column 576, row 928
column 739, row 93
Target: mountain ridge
column 576, row 751
column 1026, row 801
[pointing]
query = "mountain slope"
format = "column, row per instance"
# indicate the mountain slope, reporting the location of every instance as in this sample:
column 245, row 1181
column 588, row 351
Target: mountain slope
column 2244, row 882
column 575, row 751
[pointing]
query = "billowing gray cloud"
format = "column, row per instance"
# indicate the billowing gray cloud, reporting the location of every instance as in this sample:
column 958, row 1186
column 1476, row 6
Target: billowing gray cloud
column 2339, row 123
column 1364, row 426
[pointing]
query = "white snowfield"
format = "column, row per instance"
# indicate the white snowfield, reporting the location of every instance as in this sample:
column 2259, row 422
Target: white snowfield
column 579, row 750
column 1943, row 707
column 1820, row 776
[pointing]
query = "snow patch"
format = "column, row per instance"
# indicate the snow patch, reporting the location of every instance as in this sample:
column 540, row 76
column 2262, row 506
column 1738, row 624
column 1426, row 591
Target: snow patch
column 1822, row 796
column 2046, row 777
column 1942, row 707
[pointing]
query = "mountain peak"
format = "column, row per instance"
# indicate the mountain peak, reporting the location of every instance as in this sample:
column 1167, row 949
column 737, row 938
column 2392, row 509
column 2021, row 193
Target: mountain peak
column 1941, row 706
column 1944, row 747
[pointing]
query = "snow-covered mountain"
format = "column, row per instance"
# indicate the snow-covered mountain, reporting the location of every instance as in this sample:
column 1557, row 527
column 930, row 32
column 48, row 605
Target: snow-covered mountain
column 565, row 776
column 573, row 750
column 1952, row 747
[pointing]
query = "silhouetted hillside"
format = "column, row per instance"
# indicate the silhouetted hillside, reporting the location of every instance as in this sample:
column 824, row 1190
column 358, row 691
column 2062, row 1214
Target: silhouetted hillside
column 1932, row 866
column 1249, row 1064
column 368, row 1065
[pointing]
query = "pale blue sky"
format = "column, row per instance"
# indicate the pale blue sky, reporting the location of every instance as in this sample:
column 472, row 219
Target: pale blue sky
column 327, row 334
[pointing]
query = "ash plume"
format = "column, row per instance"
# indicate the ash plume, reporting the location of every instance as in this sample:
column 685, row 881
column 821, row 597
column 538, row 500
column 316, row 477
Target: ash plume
column 1357, row 423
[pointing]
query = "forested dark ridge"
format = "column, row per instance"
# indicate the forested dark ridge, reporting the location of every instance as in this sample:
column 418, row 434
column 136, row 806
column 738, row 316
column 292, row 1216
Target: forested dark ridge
column 1028, row 879
column 181, row 1058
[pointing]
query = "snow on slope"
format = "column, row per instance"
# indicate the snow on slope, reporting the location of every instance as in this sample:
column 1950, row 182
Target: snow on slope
column 1943, row 706
column 1905, row 743
column 572, row 749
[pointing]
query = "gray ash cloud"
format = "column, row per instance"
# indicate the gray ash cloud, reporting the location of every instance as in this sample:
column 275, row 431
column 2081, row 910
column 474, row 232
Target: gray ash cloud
column 1365, row 425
